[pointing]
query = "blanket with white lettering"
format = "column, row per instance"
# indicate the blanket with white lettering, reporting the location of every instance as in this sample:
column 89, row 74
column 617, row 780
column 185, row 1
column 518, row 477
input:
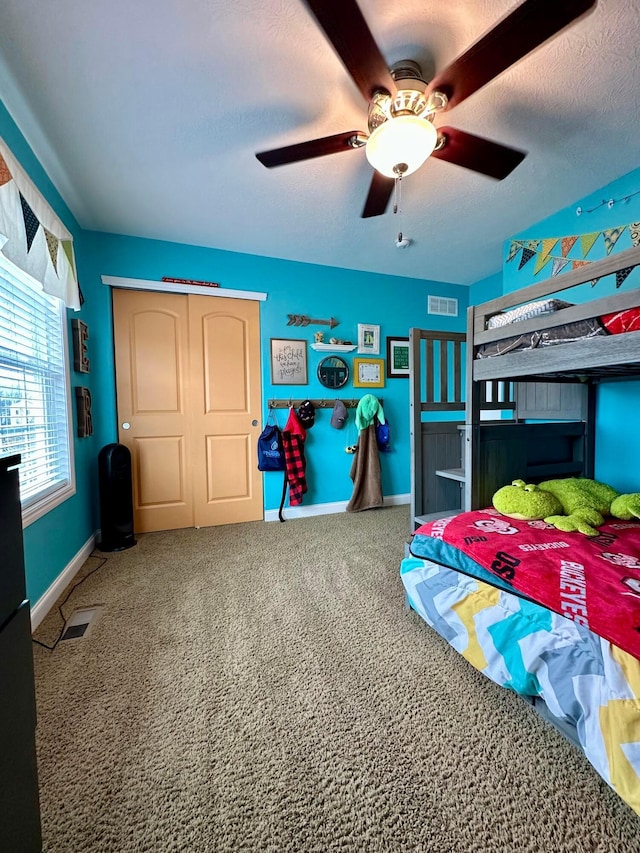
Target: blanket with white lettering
column 594, row 581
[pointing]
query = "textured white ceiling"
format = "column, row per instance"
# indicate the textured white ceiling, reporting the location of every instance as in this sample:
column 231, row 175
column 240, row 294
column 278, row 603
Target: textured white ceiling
column 147, row 115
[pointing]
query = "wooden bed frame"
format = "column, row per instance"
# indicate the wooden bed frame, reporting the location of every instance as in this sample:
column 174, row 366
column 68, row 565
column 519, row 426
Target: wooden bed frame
column 470, row 446
column 458, row 463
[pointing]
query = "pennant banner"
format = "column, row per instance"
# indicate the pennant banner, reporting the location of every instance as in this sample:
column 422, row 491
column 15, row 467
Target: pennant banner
column 52, row 246
column 32, row 236
column 527, row 254
column 558, row 265
column 567, row 244
column 556, row 250
column 611, row 237
column 31, row 223
column 621, row 275
column 547, row 246
column 587, row 241
column 513, row 250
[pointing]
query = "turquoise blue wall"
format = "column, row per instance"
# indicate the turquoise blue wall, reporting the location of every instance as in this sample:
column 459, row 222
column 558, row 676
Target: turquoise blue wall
column 618, row 403
column 52, row 541
column 394, row 303
column 486, row 289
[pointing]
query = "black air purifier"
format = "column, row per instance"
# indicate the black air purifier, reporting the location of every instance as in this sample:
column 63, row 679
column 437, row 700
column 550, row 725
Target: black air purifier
column 116, row 498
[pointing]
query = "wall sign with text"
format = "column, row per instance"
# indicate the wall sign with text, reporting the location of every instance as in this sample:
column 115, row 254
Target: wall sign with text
column 288, row 361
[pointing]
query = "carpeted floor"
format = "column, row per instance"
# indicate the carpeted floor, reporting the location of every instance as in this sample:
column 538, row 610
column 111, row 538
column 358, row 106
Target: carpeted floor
column 260, row 687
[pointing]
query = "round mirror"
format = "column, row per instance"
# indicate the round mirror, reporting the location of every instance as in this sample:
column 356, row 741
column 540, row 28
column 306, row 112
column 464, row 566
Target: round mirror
column 333, row 372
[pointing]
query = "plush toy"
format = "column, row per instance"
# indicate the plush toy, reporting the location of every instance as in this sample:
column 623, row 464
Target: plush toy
column 574, row 503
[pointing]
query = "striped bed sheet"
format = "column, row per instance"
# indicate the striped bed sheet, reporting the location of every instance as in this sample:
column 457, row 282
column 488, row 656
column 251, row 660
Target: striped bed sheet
column 585, row 681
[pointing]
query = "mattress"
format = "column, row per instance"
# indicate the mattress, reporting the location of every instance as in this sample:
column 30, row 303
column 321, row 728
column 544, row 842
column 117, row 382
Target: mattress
column 585, row 680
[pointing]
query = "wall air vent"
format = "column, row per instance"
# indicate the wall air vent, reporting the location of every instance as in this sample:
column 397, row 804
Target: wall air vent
column 443, row 305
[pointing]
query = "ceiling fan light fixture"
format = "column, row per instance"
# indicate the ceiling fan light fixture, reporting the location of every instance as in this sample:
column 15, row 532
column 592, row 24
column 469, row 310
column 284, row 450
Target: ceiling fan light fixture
column 401, row 145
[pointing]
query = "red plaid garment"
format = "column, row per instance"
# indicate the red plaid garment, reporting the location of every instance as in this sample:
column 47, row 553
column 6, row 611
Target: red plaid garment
column 293, row 436
column 294, row 462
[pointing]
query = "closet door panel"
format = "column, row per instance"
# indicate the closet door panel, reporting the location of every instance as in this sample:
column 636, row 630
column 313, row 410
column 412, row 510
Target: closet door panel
column 152, row 382
column 226, row 409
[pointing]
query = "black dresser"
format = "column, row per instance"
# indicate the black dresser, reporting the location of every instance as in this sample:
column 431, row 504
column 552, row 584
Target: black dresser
column 19, row 801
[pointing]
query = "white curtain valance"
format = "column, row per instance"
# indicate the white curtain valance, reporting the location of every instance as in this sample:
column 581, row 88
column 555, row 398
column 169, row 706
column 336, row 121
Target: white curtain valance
column 32, row 236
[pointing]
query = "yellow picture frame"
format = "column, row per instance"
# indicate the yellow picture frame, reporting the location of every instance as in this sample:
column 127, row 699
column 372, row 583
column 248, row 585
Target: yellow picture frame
column 368, row 372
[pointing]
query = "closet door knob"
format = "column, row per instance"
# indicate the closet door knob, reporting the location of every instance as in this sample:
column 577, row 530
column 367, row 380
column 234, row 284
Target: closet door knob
column 126, row 425
column 254, row 423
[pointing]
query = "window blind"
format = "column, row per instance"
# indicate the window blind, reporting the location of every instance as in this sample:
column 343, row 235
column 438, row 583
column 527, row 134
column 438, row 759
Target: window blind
column 34, row 409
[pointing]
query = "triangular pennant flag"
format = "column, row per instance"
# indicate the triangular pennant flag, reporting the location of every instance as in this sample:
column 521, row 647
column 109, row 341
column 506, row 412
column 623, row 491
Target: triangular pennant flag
column 67, row 245
column 31, row 223
column 577, row 264
column 558, row 265
column 634, row 228
column 5, row 174
column 611, row 237
column 621, row 275
column 544, row 255
column 52, row 246
column 567, row 245
column 594, row 281
column 587, row 241
column 541, row 262
column 513, row 250
column 527, row 254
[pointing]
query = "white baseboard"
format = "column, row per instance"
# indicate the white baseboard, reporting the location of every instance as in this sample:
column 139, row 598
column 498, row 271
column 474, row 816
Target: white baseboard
column 327, row 509
column 46, row 601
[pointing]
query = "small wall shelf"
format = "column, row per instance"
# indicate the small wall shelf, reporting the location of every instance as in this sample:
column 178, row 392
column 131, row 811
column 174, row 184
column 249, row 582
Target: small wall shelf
column 333, row 347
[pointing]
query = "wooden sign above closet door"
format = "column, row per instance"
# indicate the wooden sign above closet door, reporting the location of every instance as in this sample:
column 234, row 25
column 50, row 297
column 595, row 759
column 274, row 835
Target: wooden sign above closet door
column 188, row 385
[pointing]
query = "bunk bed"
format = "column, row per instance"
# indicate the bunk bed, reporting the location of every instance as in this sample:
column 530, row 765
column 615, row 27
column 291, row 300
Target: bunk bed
column 529, row 413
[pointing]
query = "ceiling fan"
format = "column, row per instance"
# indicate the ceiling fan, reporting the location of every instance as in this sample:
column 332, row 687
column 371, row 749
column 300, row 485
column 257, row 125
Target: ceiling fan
column 402, row 106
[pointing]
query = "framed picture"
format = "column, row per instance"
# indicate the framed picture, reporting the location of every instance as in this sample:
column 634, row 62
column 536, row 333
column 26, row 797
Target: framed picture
column 368, row 339
column 368, row 373
column 397, row 357
column 288, row 361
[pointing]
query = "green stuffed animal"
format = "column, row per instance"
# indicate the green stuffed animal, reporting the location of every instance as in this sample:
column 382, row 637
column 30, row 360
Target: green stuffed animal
column 574, row 503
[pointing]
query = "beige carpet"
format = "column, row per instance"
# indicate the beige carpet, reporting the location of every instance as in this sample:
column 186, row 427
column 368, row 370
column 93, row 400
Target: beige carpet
column 260, row 687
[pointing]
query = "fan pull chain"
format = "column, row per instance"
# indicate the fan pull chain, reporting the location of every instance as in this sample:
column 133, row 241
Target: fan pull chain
column 397, row 200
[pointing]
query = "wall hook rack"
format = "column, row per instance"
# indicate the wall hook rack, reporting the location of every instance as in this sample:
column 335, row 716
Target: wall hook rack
column 320, row 403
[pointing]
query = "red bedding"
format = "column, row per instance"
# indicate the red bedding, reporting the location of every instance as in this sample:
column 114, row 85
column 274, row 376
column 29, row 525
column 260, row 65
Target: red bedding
column 593, row 580
column 622, row 321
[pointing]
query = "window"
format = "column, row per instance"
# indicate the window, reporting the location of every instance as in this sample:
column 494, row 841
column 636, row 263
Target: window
column 35, row 416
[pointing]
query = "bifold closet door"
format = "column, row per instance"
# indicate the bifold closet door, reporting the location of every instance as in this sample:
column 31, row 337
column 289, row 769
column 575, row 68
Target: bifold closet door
column 188, row 386
column 225, row 409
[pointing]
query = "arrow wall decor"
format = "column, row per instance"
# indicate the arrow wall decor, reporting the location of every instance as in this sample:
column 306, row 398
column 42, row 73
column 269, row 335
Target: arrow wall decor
column 303, row 320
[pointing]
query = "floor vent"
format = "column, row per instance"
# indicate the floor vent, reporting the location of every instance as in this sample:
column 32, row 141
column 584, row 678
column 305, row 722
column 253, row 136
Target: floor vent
column 79, row 623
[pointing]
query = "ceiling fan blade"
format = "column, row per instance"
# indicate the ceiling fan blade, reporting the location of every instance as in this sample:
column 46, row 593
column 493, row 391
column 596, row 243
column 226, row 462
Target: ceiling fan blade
column 524, row 29
column 379, row 195
column 348, row 32
column 478, row 154
column 314, row 148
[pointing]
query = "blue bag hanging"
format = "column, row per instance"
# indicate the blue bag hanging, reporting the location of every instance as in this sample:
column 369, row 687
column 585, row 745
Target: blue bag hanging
column 383, row 436
column 270, row 451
